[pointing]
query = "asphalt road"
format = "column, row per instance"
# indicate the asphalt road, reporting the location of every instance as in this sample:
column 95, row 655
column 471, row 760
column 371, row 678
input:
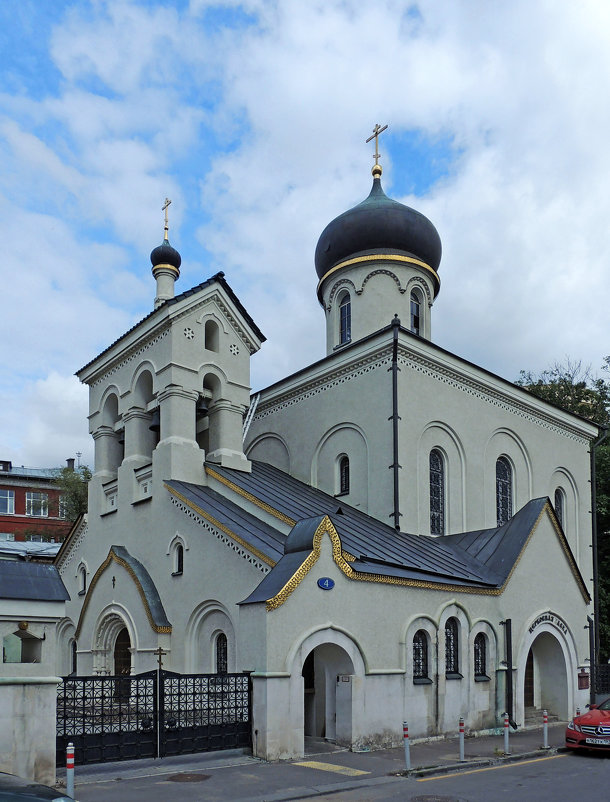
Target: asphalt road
column 557, row 778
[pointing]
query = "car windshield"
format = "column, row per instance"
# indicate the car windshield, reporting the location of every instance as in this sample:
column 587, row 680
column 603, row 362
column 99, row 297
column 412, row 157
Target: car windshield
column 605, row 705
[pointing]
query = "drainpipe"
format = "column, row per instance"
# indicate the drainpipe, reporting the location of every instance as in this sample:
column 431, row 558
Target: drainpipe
column 595, row 655
column 395, row 417
column 592, row 664
column 508, row 640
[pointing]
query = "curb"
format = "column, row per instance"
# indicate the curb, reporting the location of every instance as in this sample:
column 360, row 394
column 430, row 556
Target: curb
column 483, row 763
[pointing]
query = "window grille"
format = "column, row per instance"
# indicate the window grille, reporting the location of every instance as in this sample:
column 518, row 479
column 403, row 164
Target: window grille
column 344, row 475
column 437, row 493
column 504, row 491
column 480, row 655
column 452, row 663
column 222, row 663
column 559, row 506
column 420, row 655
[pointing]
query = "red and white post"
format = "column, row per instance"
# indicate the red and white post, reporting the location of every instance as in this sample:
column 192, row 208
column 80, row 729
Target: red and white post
column 506, row 727
column 405, row 737
column 70, row 769
column 545, row 729
column 461, row 739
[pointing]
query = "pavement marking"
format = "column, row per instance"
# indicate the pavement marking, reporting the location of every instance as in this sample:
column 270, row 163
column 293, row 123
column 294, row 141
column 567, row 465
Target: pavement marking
column 314, row 764
column 488, row 768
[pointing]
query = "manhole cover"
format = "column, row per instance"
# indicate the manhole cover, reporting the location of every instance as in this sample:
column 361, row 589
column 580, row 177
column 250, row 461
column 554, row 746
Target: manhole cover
column 185, row 777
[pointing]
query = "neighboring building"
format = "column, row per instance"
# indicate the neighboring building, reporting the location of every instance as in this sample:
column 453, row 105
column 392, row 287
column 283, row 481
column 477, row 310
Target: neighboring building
column 31, row 506
column 368, row 548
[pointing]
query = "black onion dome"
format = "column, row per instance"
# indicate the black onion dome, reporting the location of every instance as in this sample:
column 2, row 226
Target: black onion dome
column 164, row 254
column 378, row 224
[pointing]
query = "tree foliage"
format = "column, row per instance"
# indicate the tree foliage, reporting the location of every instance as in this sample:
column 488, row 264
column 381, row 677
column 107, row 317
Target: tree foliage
column 573, row 387
column 73, row 485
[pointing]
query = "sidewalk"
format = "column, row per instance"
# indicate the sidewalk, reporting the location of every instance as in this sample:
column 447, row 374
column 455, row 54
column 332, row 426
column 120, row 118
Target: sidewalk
column 324, row 769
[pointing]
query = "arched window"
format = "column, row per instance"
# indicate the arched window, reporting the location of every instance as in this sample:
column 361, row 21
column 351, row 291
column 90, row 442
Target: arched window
column 559, row 504
column 345, row 319
column 344, row 475
column 73, row 657
column 480, row 657
column 437, row 493
column 452, row 651
column 222, row 662
column 211, row 337
column 504, row 491
column 415, row 306
column 420, row 658
column 82, row 580
column 178, row 560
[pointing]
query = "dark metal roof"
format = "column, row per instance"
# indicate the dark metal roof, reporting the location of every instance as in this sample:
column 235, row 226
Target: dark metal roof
column 216, row 278
column 31, row 581
column 149, row 589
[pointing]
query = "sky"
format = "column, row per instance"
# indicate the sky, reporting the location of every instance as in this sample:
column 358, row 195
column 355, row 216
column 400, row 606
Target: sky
column 252, row 118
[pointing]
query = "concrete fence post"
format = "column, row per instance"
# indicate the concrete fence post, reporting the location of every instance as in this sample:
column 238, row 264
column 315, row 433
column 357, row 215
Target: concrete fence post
column 70, row 769
column 405, row 736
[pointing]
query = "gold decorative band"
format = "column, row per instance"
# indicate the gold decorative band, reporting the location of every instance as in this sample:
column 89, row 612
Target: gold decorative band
column 376, row 257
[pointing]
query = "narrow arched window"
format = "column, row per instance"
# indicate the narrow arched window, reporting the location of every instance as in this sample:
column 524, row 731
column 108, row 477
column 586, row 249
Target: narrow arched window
column 344, row 475
column 345, row 319
column 211, row 338
column 82, row 580
column 559, row 506
column 73, row 657
column 420, row 655
column 480, row 656
column 504, row 491
column 415, row 307
column 437, row 493
column 221, row 654
column 452, row 657
column 178, row 559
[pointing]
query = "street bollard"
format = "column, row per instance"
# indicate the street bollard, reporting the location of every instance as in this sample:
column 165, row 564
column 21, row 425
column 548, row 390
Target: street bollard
column 506, row 726
column 405, row 735
column 461, row 739
column 70, row 769
column 578, row 711
column 545, row 729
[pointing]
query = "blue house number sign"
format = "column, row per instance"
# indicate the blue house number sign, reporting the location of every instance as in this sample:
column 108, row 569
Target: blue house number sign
column 326, row 583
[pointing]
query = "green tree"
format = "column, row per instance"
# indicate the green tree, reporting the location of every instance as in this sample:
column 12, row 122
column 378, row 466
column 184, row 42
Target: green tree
column 573, row 387
column 73, row 485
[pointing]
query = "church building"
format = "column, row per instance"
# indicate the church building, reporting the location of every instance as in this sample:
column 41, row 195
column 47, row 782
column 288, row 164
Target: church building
column 392, row 533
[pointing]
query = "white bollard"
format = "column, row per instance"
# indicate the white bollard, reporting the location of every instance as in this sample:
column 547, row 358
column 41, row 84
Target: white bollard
column 545, row 729
column 578, row 711
column 461, row 740
column 506, row 726
column 70, row 769
column 405, row 735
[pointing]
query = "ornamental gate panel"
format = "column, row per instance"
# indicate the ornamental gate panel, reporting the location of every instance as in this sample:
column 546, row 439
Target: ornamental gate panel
column 155, row 714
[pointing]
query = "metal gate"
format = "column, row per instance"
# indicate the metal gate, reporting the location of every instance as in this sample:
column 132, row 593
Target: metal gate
column 155, row 714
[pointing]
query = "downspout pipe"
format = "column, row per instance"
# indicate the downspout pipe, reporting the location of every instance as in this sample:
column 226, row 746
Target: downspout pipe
column 394, row 417
column 508, row 641
column 594, row 447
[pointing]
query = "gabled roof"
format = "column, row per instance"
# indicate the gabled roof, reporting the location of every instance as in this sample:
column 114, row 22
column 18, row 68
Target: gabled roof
column 367, row 549
column 217, row 278
column 31, row 581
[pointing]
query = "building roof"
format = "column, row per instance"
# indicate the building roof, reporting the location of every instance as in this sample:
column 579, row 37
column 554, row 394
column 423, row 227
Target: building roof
column 480, row 560
column 216, row 278
column 27, row 548
column 31, row 581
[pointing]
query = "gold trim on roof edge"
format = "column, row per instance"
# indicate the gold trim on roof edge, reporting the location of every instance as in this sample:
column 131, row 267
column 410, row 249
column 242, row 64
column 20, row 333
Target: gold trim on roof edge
column 112, row 557
column 210, row 519
column 244, row 494
column 339, row 557
column 375, row 257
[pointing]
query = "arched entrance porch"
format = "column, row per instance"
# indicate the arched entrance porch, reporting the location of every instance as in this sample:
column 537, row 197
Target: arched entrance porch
column 327, row 694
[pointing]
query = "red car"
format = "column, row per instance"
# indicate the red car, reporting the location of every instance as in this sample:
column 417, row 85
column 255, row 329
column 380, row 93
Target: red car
column 591, row 730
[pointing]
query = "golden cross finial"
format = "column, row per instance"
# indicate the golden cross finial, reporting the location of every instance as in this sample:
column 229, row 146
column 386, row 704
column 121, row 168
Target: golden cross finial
column 159, row 652
column 376, row 131
column 164, row 209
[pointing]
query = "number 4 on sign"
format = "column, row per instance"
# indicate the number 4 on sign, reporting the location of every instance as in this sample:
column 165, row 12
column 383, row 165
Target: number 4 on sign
column 326, row 583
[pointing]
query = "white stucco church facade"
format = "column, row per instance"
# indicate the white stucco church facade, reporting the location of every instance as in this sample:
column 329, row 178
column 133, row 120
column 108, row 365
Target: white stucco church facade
column 390, row 513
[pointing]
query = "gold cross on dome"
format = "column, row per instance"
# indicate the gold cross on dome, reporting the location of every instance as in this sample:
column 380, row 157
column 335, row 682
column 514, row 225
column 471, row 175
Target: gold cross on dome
column 376, row 131
column 164, row 209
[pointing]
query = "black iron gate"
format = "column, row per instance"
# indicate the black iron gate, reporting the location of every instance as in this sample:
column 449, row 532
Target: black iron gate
column 155, row 714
